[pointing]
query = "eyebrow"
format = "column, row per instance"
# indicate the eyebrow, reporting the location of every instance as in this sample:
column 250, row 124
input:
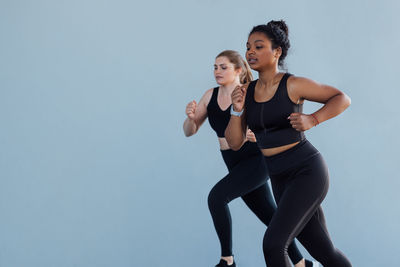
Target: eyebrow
column 255, row 41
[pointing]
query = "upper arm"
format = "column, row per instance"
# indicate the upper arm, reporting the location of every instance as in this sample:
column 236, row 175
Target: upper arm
column 300, row 88
column 201, row 109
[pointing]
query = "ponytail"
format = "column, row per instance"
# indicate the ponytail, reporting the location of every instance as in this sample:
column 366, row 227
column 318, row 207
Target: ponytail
column 246, row 76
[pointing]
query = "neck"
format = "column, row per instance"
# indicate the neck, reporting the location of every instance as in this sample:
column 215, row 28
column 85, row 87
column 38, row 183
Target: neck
column 267, row 77
column 228, row 88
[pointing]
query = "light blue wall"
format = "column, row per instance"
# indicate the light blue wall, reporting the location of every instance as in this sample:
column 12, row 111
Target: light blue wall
column 94, row 167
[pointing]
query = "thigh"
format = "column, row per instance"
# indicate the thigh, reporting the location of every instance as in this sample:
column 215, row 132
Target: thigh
column 298, row 194
column 261, row 202
column 247, row 175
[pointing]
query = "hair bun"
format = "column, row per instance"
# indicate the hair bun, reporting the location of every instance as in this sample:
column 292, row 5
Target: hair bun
column 281, row 24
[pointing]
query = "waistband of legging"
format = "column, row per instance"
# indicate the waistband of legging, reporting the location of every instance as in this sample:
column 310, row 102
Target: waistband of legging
column 248, row 149
column 291, row 158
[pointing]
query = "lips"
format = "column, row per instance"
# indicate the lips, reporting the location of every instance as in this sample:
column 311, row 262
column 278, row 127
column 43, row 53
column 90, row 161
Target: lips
column 252, row 60
column 219, row 77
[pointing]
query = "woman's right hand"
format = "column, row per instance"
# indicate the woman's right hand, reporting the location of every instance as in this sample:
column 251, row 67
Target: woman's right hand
column 238, row 96
column 191, row 109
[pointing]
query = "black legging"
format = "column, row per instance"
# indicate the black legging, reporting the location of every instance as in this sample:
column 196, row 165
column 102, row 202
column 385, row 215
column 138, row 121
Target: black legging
column 300, row 180
column 247, row 178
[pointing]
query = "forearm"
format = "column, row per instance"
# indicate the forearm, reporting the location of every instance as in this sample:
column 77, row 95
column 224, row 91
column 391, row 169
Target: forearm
column 333, row 107
column 189, row 127
column 234, row 133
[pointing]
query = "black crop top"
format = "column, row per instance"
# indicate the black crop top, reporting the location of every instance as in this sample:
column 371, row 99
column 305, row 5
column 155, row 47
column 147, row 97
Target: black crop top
column 269, row 120
column 217, row 117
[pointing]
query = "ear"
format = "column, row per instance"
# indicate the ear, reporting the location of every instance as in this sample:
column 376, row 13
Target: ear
column 238, row 71
column 277, row 52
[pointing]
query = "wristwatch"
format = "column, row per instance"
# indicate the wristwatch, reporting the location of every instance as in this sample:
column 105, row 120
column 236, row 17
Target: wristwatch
column 235, row 113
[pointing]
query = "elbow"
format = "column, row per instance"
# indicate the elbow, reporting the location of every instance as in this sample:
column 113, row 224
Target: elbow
column 188, row 134
column 235, row 147
column 185, row 132
column 342, row 100
column 189, row 129
column 346, row 101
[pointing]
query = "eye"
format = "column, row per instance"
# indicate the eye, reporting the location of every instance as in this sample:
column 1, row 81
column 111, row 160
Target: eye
column 259, row 47
column 224, row 68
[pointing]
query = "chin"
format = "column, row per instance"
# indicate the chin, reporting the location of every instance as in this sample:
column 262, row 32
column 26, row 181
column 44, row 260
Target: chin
column 220, row 82
column 254, row 67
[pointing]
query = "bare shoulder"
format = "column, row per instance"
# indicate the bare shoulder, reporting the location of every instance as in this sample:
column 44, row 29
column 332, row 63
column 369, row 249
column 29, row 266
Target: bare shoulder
column 295, row 85
column 206, row 97
column 208, row 94
column 296, row 82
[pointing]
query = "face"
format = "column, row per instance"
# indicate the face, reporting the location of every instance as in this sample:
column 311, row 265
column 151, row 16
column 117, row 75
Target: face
column 224, row 71
column 259, row 52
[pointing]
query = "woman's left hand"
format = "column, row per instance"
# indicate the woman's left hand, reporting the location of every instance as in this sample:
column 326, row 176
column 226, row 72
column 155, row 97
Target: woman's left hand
column 251, row 136
column 302, row 122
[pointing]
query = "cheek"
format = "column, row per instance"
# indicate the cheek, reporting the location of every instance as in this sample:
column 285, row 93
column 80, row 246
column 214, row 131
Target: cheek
column 230, row 74
column 269, row 54
column 263, row 57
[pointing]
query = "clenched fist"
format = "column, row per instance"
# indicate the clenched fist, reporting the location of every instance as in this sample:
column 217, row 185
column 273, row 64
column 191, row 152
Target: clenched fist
column 238, row 97
column 191, row 109
column 302, row 122
column 251, row 136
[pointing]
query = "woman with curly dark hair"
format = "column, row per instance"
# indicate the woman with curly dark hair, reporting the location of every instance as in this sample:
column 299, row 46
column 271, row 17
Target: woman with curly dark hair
column 271, row 107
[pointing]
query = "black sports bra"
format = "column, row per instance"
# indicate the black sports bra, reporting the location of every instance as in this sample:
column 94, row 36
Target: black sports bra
column 217, row 117
column 269, row 120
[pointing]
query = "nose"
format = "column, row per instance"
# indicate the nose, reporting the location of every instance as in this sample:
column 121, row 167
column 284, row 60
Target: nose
column 250, row 52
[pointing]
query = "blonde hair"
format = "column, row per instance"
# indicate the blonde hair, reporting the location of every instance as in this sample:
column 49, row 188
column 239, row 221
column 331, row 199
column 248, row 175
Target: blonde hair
column 236, row 59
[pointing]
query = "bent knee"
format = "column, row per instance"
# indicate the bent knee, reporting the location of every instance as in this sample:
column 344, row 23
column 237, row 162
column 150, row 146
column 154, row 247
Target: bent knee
column 217, row 197
column 273, row 247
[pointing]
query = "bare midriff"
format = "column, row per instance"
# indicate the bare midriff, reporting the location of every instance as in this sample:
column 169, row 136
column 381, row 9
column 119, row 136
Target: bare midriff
column 268, row 152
